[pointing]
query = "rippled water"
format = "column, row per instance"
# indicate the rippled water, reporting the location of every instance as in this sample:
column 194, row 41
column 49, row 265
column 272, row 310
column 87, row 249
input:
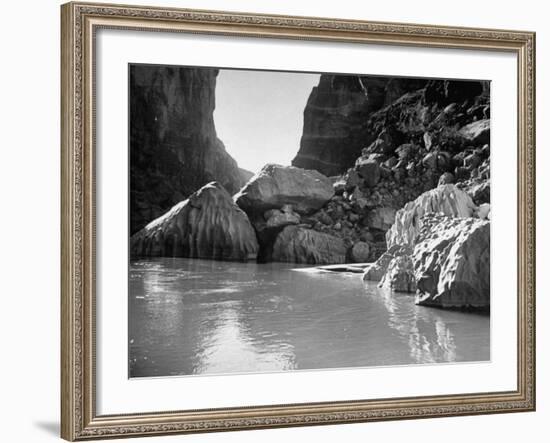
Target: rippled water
column 197, row 316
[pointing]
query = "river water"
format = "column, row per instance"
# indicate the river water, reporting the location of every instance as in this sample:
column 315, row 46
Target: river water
column 191, row 316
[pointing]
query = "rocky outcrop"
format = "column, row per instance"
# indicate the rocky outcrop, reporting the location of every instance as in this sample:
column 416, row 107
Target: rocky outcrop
column 388, row 148
column 275, row 186
column 381, row 218
column 478, row 132
column 296, row 244
column 452, row 263
column 439, row 249
column 174, row 149
column 400, row 275
column 446, row 199
column 207, row 225
column 378, row 269
column 445, row 92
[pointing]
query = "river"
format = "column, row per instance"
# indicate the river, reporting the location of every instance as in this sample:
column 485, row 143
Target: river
column 190, row 316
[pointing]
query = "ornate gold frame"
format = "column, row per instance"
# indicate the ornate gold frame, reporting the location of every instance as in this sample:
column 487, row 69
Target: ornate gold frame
column 79, row 21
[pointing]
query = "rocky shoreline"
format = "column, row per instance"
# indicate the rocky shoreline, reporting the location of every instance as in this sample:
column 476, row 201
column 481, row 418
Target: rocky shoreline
column 408, row 190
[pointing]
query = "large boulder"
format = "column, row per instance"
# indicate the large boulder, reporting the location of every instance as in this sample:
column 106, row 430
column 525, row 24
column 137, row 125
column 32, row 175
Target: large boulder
column 399, row 275
column 296, row 244
column 478, row 132
column 452, row 263
column 446, row 199
column 207, row 225
column 480, row 191
column 369, row 169
column 360, row 252
column 381, row 218
column 279, row 218
column 275, row 186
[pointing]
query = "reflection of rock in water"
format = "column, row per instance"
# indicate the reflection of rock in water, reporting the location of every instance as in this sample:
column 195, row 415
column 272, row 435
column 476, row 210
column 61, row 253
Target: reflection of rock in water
column 227, row 347
column 199, row 316
column 428, row 337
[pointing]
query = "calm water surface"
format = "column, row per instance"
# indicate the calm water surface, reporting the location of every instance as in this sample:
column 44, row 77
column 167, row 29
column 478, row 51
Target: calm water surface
column 197, row 316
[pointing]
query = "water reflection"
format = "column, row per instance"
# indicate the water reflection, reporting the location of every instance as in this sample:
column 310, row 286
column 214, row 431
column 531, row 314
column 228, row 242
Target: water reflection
column 428, row 337
column 196, row 317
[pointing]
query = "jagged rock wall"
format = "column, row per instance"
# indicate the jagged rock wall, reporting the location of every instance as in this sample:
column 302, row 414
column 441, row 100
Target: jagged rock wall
column 174, row 149
column 452, row 263
column 446, row 199
column 208, row 225
column 424, row 134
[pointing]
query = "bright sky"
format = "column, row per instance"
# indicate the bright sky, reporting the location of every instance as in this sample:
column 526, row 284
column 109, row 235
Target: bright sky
column 259, row 114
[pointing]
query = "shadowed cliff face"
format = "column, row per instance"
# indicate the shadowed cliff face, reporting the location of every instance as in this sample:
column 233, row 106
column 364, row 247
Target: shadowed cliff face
column 335, row 116
column 174, row 149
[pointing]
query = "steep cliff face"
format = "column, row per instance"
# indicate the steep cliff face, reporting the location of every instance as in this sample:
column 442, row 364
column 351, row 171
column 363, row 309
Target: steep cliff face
column 174, row 149
column 335, row 116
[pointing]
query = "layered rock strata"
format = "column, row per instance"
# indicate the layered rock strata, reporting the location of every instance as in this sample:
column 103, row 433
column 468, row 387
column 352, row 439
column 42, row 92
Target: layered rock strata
column 335, row 114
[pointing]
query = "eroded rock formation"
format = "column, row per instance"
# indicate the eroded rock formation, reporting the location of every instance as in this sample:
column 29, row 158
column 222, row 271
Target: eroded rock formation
column 439, row 248
column 400, row 275
column 174, row 149
column 452, row 263
column 445, row 199
column 275, row 186
column 207, row 225
column 378, row 269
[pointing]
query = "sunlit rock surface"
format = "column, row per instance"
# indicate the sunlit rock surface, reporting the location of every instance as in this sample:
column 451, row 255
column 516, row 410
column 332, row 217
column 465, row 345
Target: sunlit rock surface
column 478, row 132
column 207, row 225
column 446, row 199
column 301, row 245
column 452, row 263
column 400, row 275
column 275, row 186
column 378, row 269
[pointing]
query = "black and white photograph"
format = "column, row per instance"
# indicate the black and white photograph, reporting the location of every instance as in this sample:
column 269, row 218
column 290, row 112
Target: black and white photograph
column 284, row 221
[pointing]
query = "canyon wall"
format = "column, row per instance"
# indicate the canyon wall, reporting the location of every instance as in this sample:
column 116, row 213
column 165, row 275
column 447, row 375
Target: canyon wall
column 174, row 149
column 335, row 116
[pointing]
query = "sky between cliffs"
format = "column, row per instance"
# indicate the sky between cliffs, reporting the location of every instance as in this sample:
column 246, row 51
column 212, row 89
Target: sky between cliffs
column 259, row 115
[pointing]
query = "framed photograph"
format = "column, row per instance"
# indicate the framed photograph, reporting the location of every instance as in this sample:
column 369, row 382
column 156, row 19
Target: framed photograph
column 282, row 221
